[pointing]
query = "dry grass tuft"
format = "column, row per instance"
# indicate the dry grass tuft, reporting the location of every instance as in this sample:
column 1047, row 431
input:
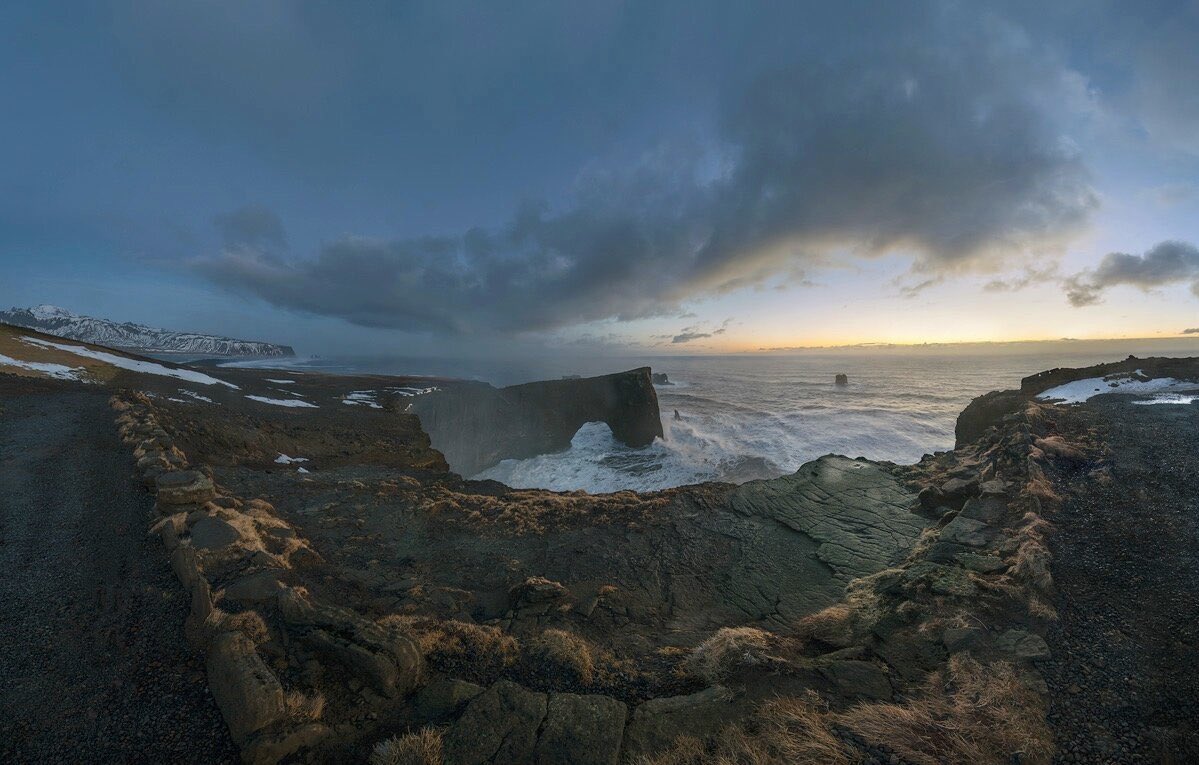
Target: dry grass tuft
column 420, row 748
column 558, row 652
column 472, row 650
column 731, row 649
column 971, row 713
column 249, row 623
column 301, row 707
column 833, row 625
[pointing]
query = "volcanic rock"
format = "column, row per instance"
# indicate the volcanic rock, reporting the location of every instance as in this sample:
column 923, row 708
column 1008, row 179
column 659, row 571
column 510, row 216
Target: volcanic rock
column 184, row 487
column 476, row 426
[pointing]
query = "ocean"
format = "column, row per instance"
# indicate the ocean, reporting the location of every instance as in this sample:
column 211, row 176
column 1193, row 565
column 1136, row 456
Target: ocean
column 751, row 416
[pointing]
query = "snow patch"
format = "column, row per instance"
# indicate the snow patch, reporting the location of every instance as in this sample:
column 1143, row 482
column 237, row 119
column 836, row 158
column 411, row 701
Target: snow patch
column 194, row 395
column 1169, row 398
column 1079, row 391
column 361, row 398
column 301, row 470
column 281, row 382
column 295, row 402
column 409, row 391
column 57, row 371
column 133, row 365
column 283, row 459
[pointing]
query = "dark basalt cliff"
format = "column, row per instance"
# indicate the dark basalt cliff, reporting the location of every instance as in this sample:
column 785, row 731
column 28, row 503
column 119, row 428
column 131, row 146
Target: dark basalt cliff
column 477, row 426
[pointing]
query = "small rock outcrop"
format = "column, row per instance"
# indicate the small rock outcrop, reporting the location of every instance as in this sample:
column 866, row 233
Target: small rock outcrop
column 841, row 379
column 985, row 412
column 477, row 426
column 660, row 378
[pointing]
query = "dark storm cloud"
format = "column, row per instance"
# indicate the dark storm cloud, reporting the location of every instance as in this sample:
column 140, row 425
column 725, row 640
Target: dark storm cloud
column 1164, row 264
column 926, row 130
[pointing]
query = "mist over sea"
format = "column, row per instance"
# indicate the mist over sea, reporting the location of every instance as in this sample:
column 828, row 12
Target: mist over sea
column 757, row 416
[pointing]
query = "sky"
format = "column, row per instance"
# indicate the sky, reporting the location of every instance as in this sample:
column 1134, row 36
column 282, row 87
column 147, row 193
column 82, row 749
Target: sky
column 469, row 179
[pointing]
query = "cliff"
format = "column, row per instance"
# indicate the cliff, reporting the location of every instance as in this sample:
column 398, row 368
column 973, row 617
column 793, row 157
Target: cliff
column 477, row 426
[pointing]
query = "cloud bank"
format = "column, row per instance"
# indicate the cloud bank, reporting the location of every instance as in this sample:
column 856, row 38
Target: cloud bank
column 936, row 135
column 1163, row 264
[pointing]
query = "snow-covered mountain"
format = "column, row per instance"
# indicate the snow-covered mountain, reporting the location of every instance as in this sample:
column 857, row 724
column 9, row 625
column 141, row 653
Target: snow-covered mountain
column 135, row 337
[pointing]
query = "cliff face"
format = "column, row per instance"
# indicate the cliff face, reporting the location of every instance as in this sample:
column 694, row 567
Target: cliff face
column 477, row 426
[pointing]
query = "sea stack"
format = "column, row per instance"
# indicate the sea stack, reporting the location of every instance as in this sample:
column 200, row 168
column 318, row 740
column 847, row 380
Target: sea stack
column 660, row 378
column 841, row 380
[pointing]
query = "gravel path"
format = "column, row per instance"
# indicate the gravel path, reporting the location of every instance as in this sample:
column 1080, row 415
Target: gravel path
column 94, row 666
column 1125, row 673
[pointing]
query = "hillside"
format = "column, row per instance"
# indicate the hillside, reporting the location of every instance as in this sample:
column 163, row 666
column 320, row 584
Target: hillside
column 135, row 337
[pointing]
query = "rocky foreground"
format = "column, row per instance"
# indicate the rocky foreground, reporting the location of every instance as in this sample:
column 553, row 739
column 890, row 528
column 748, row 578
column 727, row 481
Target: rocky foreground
column 354, row 599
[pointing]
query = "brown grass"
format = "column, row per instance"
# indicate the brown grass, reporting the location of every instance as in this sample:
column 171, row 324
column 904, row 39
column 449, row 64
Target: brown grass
column 562, row 653
column 420, row 748
column 833, row 625
column 970, row 713
column 792, row 731
column 249, row 623
column 476, row 651
column 731, row 649
column 302, row 707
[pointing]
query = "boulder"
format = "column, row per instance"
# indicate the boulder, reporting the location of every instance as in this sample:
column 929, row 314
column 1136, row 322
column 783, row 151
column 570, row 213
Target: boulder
column 255, row 588
column 841, row 379
column 956, row 490
column 245, row 690
column 656, row 723
column 534, row 590
column 981, row 564
column 1021, row 644
column 968, row 532
column 184, row 487
column 170, row 530
column 985, row 509
column 211, row 533
column 185, row 566
column 443, row 698
column 581, row 730
column 499, row 727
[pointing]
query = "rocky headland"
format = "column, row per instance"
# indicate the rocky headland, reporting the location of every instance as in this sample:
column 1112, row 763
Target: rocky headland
column 354, row 597
column 475, row 425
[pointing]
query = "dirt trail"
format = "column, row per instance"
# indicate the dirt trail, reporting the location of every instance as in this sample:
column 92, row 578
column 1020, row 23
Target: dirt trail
column 1125, row 675
column 93, row 659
